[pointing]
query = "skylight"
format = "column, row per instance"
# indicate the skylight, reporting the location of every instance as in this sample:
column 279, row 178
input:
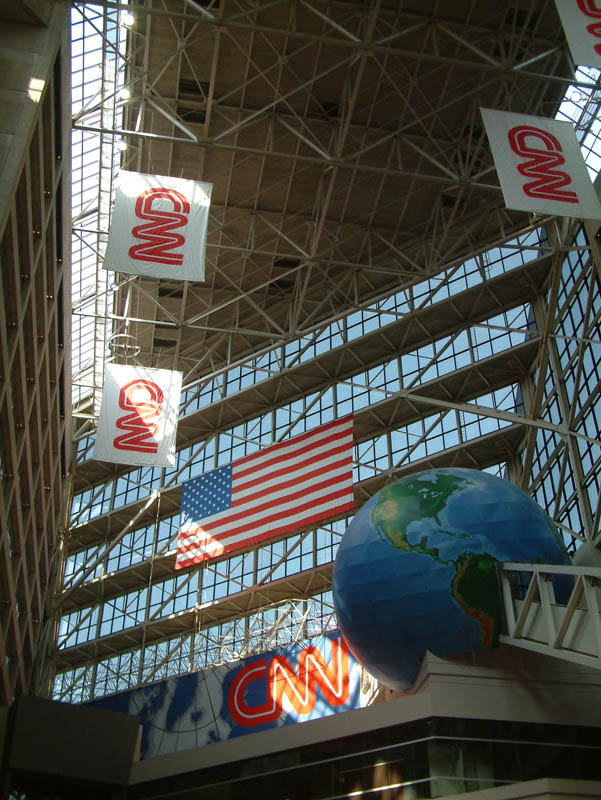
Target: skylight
column 99, row 93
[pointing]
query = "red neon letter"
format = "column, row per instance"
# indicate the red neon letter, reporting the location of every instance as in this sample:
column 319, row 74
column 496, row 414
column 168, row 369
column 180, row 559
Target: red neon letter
column 541, row 166
column 160, row 239
column 144, row 399
column 299, row 690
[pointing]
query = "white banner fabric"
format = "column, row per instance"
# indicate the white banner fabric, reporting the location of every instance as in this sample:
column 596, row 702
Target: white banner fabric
column 159, row 227
column 581, row 21
column 540, row 165
column 138, row 416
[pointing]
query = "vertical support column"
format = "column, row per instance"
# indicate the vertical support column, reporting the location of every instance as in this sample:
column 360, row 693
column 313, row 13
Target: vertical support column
column 545, row 316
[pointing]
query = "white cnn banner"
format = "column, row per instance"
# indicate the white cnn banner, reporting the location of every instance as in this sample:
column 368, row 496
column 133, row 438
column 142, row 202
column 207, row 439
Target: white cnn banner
column 540, row 165
column 159, row 227
column 138, row 416
column 581, row 21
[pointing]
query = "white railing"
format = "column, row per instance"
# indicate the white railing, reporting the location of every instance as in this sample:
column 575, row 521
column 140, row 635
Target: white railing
column 548, row 613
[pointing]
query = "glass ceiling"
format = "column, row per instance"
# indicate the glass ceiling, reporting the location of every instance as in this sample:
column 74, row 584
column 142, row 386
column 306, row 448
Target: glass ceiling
column 98, row 79
column 99, row 94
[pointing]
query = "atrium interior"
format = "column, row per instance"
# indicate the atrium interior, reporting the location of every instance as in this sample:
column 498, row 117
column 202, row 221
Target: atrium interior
column 360, row 259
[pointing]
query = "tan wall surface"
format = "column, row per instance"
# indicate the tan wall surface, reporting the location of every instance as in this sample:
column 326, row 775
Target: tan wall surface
column 26, row 55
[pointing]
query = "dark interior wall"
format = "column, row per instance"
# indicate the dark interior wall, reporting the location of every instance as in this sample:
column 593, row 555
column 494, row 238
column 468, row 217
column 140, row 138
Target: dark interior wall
column 69, row 750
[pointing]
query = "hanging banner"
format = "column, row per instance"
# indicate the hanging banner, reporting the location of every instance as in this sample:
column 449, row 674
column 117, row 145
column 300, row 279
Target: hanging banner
column 138, row 416
column 540, row 165
column 581, row 21
column 159, row 227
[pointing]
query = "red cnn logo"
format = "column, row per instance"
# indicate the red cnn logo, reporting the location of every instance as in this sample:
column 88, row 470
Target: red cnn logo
column 542, row 164
column 158, row 233
column 145, row 401
column 283, row 681
column 589, row 8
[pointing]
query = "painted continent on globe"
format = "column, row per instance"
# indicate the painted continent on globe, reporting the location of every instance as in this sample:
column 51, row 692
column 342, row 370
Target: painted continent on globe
column 416, row 568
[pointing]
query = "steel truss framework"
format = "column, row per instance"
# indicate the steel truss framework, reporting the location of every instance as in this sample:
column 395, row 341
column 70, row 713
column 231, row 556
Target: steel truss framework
column 360, row 258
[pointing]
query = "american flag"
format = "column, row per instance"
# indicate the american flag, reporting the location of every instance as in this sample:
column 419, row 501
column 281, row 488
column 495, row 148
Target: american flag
column 278, row 490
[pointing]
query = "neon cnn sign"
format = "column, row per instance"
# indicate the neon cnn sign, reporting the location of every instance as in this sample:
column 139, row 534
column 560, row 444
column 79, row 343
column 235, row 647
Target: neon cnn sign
column 542, row 164
column 144, row 399
column 159, row 232
column 285, row 685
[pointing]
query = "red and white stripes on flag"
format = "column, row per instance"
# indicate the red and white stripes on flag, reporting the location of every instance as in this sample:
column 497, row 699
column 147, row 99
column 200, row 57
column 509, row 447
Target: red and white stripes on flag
column 581, row 22
column 540, row 165
column 159, row 227
column 274, row 492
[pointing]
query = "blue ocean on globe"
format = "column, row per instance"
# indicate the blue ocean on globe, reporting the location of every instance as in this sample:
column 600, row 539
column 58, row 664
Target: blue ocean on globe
column 416, row 569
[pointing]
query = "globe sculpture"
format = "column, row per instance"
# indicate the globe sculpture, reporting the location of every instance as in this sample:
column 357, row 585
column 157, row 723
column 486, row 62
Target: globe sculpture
column 416, row 568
